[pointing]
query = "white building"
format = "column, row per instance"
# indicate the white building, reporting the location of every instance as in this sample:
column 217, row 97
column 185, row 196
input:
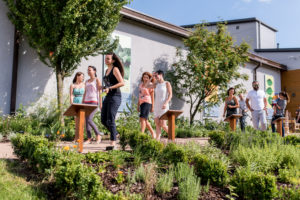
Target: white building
column 152, row 43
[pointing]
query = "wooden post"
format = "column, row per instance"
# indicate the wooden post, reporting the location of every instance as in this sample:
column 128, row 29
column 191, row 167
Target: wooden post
column 171, row 115
column 232, row 121
column 80, row 111
column 278, row 123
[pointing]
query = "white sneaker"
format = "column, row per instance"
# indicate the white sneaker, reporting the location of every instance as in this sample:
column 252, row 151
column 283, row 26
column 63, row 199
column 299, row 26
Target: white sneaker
column 88, row 142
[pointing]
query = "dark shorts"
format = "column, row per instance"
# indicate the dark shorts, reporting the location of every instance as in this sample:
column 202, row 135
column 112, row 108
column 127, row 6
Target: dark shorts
column 145, row 110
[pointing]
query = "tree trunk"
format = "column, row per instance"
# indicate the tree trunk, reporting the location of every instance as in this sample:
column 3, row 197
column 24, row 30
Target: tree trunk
column 60, row 99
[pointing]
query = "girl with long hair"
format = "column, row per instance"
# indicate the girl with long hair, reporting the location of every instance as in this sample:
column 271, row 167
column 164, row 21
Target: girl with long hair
column 113, row 80
column 279, row 109
column 145, row 103
column 231, row 103
column 77, row 88
column 163, row 96
column 92, row 96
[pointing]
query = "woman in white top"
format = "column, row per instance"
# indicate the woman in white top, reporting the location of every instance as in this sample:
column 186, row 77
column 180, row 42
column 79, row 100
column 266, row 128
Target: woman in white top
column 163, row 95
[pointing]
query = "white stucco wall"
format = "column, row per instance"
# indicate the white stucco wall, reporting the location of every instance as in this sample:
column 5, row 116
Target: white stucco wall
column 242, row 32
column 290, row 59
column 267, row 37
column 6, row 58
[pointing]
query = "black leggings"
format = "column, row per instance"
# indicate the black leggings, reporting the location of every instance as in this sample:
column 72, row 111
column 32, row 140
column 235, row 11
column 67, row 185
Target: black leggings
column 109, row 111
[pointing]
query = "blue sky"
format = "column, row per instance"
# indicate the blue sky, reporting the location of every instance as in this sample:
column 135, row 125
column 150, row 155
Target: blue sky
column 283, row 15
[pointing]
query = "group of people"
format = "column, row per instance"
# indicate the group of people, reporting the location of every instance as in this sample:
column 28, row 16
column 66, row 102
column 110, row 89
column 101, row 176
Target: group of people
column 256, row 103
column 89, row 92
column 154, row 96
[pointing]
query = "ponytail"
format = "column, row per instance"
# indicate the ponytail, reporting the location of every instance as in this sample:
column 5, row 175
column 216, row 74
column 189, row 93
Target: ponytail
column 285, row 95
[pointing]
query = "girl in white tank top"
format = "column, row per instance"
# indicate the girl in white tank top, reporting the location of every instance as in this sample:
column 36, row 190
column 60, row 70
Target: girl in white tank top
column 163, row 95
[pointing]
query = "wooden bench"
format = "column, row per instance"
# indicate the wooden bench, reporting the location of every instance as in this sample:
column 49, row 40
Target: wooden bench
column 278, row 123
column 171, row 115
column 232, row 120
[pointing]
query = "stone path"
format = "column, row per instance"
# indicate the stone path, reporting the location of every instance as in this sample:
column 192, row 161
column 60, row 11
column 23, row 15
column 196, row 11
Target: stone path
column 6, row 150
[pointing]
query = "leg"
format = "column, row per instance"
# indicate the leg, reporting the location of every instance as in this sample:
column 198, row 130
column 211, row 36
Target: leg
column 88, row 128
column 149, row 127
column 255, row 119
column 263, row 119
column 163, row 124
column 273, row 125
column 104, row 112
column 92, row 124
column 112, row 110
column 158, row 128
column 143, row 124
column 243, row 123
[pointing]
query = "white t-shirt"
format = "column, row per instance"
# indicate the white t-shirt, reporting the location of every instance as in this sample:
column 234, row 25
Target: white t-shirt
column 256, row 99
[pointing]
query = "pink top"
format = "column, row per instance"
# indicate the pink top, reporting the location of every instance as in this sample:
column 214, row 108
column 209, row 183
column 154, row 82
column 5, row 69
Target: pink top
column 91, row 92
column 145, row 94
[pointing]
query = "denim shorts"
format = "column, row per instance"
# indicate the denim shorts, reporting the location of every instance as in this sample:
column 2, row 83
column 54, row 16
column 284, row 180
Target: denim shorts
column 145, row 109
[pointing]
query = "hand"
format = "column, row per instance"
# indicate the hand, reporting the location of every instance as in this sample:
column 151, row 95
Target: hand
column 106, row 90
column 251, row 110
column 164, row 106
column 152, row 109
column 229, row 106
column 223, row 115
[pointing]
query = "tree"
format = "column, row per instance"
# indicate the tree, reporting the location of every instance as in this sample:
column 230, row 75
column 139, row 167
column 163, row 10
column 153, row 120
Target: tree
column 206, row 67
column 64, row 31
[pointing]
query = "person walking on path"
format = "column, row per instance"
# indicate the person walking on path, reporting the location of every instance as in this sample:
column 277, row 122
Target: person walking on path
column 163, row 95
column 279, row 110
column 258, row 106
column 145, row 103
column 243, row 111
column 77, row 88
column 231, row 103
column 113, row 80
column 92, row 96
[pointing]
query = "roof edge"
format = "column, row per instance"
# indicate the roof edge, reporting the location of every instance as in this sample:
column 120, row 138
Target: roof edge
column 233, row 21
column 266, row 61
column 278, row 50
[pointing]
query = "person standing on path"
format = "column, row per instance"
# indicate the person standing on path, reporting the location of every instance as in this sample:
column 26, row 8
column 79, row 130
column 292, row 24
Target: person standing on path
column 231, row 103
column 92, row 96
column 113, row 80
column 279, row 110
column 77, row 88
column 163, row 95
column 243, row 111
column 258, row 106
column 145, row 103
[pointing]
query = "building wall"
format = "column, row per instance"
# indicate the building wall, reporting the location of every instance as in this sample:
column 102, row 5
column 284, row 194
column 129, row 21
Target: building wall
column 242, row 32
column 6, row 58
column 291, row 83
column 267, row 37
column 290, row 59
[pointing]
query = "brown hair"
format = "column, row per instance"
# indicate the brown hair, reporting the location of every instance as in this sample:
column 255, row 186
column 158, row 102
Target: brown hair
column 117, row 63
column 146, row 73
column 285, row 95
column 229, row 90
column 76, row 75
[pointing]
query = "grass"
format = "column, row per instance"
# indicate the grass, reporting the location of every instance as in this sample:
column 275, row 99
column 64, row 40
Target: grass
column 14, row 186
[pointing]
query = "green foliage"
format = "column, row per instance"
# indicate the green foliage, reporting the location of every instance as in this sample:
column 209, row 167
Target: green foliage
column 165, row 182
column 211, row 63
column 140, row 173
column 211, row 169
column 98, row 157
column 217, row 138
column 289, row 175
column 287, row 193
column 188, row 133
column 254, row 185
column 292, row 139
column 173, row 154
column 182, row 171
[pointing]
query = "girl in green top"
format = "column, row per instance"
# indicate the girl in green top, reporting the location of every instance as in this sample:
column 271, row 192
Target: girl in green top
column 77, row 88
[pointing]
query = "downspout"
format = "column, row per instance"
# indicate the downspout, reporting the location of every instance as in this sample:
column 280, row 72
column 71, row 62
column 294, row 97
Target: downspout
column 255, row 71
column 13, row 92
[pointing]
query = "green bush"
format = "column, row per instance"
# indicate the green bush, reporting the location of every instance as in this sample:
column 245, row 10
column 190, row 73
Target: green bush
column 98, row 157
column 287, row 193
column 173, row 153
column 190, row 132
column 254, row 185
column 289, row 175
column 292, row 139
column 165, row 182
column 211, row 169
column 182, row 171
column 217, row 138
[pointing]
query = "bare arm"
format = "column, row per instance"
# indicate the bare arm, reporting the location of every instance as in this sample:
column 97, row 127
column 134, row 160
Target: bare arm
column 265, row 102
column 99, row 87
column 149, row 84
column 169, row 88
column 237, row 105
column 152, row 100
column 71, row 94
column 248, row 105
column 83, row 99
column 225, row 107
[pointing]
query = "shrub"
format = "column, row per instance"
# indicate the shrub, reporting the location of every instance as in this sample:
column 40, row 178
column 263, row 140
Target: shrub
column 211, row 169
column 98, row 157
column 254, row 185
column 140, row 174
column 189, row 188
column 289, row 175
column 190, row 132
column 173, row 153
column 292, row 139
column 289, row 193
column 165, row 182
column 182, row 171
column 217, row 138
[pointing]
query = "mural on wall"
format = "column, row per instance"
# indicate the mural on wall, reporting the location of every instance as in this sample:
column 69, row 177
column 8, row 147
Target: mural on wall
column 270, row 92
column 123, row 51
